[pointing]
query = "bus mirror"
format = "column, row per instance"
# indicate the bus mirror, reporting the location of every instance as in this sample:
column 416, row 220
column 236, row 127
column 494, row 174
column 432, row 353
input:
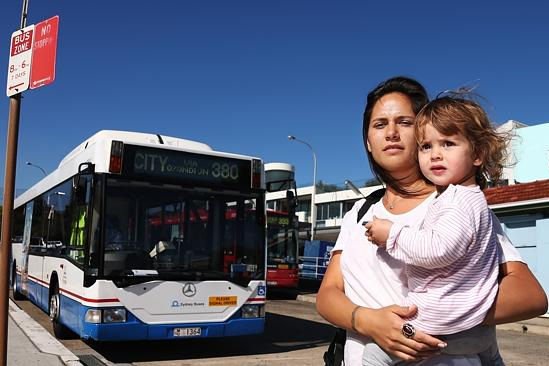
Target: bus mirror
column 83, row 168
column 290, row 195
column 292, row 202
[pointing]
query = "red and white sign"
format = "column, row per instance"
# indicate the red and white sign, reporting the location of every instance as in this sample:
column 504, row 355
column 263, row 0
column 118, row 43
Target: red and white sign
column 44, row 52
column 19, row 66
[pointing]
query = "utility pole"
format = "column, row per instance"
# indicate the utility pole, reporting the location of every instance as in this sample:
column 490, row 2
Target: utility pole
column 9, row 188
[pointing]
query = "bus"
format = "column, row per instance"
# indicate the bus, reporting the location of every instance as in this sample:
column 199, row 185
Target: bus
column 129, row 239
column 282, row 227
column 282, row 248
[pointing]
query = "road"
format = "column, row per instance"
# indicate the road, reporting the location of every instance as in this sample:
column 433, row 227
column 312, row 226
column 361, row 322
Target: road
column 295, row 335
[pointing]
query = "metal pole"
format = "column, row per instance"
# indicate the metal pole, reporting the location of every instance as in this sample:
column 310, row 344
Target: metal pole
column 313, row 196
column 313, row 192
column 7, row 209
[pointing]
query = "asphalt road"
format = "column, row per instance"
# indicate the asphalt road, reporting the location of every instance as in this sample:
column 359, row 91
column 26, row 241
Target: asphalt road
column 295, row 335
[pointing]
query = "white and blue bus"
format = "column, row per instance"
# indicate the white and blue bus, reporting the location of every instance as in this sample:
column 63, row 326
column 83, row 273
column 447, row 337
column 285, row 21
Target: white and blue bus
column 141, row 236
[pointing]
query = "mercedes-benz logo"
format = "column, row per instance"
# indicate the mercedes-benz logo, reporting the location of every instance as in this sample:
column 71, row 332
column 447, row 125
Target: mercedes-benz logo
column 189, row 289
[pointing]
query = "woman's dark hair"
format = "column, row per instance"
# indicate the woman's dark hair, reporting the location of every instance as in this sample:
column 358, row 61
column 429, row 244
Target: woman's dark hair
column 418, row 97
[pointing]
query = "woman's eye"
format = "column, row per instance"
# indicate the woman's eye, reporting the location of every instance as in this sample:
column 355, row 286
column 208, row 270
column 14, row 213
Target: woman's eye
column 407, row 122
column 378, row 125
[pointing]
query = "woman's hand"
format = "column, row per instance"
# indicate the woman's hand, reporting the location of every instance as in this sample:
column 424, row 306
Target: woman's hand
column 385, row 327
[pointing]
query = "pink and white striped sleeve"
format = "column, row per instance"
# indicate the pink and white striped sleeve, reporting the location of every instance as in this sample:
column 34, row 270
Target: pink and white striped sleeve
column 436, row 246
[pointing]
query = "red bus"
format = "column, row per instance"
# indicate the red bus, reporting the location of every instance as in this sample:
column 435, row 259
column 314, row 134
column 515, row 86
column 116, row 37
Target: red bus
column 282, row 247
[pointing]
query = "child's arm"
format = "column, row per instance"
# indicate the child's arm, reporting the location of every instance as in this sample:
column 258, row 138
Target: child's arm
column 439, row 246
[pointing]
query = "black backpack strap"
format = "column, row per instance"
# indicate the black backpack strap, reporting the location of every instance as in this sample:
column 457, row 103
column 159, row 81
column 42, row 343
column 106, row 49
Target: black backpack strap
column 334, row 355
column 370, row 200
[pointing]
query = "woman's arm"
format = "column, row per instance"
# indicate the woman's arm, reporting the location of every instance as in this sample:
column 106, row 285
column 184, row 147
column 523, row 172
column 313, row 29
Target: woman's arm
column 520, row 295
column 382, row 325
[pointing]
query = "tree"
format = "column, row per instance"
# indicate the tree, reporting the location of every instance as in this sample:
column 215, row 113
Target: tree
column 372, row 182
column 322, row 187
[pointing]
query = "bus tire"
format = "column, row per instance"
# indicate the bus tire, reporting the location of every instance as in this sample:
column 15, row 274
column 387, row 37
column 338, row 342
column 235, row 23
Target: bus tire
column 15, row 289
column 59, row 330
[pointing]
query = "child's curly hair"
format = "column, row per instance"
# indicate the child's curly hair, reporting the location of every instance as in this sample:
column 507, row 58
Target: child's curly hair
column 451, row 115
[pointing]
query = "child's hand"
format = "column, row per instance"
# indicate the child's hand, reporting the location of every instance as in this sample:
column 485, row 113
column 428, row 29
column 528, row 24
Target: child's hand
column 377, row 231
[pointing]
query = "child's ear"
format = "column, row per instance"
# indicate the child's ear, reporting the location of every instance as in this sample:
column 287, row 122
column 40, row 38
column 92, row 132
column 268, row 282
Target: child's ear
column 477, row 162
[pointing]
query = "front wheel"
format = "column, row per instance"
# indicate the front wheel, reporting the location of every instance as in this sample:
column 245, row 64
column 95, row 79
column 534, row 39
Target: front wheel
column 17, row 295
column 59, row 330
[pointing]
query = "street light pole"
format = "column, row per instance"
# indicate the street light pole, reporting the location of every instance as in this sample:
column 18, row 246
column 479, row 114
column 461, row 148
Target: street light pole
column 37, row 167
column 313, row 193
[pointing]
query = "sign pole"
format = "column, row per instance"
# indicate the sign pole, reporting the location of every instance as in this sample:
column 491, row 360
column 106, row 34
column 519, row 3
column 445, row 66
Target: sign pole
column 7, row 209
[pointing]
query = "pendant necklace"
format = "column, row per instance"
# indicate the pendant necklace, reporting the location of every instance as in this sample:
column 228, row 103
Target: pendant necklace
column 392, row 205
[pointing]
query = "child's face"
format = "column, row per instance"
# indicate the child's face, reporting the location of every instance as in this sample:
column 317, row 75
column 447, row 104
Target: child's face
column 447, row 160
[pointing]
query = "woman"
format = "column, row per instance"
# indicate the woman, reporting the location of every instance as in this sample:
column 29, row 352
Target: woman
column 361, row 284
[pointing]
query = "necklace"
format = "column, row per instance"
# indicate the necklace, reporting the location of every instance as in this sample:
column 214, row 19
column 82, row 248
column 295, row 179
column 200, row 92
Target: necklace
column 392, row 204
column 397, row 199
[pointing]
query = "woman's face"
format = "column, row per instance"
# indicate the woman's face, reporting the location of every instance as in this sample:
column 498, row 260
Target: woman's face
column 391, row 139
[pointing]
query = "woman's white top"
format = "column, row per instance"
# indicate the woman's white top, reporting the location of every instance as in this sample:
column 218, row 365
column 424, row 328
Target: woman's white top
column 372, row 278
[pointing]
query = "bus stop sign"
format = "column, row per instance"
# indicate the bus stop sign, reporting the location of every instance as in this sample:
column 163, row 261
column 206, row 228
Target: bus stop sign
column 44, row 52
column 20, row 60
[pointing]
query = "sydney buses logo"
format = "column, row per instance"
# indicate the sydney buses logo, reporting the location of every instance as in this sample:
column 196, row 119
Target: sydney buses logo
column 189, row 289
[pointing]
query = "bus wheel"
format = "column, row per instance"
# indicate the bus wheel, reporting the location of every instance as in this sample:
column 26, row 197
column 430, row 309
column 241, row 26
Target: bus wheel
column 15, row 289
column 59, row 330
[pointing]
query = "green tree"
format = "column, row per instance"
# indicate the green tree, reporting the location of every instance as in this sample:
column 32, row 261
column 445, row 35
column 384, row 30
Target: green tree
column 322, row 187
column 372, row 182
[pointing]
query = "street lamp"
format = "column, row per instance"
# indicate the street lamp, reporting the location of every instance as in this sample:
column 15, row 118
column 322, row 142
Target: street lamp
column 313, row 194
column 37, row 167
column 353, row 188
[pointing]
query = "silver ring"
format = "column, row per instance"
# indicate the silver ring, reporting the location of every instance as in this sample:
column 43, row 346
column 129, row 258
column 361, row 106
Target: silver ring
column 408, row 330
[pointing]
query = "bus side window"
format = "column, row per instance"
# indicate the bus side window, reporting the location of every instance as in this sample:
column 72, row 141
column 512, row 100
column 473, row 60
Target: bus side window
column 78, row 218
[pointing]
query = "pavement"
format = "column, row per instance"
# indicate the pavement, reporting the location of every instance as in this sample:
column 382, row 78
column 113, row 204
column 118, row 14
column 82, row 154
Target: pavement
column 29, row 344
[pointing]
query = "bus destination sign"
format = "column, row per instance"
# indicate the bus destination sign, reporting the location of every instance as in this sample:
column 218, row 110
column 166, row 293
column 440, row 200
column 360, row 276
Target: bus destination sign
column 187, row 168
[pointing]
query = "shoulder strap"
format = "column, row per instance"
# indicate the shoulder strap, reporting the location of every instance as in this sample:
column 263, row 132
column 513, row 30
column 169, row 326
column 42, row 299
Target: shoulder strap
column 334, row 355
column 370, row 200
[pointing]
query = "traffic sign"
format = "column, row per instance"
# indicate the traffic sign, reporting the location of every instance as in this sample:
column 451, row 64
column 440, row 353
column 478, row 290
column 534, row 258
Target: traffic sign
column 44, row 52
column 20, row 60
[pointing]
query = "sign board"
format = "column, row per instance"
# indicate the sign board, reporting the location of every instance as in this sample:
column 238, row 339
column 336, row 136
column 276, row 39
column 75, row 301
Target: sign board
column 19, row 65
column 44, row 52
column 186, row 167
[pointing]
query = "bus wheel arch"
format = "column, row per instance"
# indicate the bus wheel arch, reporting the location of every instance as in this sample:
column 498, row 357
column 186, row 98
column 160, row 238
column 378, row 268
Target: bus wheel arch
column 17, row 295
column 54, row 309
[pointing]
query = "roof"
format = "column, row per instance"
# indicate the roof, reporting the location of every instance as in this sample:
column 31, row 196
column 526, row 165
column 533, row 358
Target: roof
column 518, row 192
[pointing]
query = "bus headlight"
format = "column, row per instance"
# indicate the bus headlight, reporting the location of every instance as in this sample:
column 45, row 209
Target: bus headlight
column 253, row 311
column 114, row 315
column 93, row 316
column 111, row 315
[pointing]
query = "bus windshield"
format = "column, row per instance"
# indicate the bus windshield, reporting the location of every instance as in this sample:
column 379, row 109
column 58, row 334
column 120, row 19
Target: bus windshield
column 281, row 240
column 171, row 232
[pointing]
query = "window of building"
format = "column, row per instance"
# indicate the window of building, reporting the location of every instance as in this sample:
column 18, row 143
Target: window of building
column 347, row 205
column 329, row 210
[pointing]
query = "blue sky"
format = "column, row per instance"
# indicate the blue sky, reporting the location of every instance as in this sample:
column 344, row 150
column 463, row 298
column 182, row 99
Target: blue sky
column 242, row 75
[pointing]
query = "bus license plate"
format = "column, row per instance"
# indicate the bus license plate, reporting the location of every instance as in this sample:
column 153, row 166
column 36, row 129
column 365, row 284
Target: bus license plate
column 187, row 332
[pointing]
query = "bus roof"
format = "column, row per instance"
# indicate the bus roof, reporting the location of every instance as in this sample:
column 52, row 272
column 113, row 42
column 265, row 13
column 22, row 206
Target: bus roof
column 140, row 138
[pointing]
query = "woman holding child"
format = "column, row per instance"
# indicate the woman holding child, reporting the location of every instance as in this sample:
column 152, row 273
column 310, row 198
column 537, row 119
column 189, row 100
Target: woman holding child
column 364, row 284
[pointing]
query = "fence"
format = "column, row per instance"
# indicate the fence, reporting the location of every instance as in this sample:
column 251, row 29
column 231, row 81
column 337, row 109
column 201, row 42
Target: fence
column 312, row 267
